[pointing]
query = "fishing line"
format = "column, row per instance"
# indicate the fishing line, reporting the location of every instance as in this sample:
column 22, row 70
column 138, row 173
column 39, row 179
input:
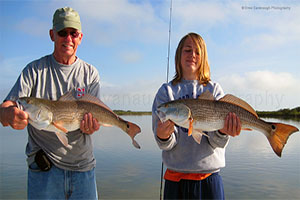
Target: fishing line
column 168, row 66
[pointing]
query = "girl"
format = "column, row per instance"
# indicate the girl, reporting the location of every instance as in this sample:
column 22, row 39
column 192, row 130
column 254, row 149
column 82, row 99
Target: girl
column 192, row 168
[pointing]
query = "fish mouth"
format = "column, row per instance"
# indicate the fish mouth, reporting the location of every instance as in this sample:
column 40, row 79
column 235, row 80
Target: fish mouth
column 161, row 115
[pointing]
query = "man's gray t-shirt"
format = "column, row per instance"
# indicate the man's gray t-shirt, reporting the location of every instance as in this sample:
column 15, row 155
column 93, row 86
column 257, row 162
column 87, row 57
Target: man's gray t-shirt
column 48, row 79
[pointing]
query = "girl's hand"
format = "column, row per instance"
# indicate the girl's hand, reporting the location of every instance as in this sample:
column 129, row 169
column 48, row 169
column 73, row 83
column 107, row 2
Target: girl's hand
column 164, row 130
column 232, row 125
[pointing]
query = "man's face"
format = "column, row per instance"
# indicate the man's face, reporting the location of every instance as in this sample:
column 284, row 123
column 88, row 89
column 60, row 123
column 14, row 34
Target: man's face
column 66, row 42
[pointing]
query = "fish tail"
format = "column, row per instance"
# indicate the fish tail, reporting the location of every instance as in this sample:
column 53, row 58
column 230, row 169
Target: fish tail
column 135, row 144
column 133, row 130
column 279, row 136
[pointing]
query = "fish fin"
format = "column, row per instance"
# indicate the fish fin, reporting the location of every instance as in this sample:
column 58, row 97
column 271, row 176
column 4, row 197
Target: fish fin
column 279, row 136
column 229, row 98
column 247, row 129
column 135, row 144
column 92, row 99
column 202, row 132
column 106, row 125
column 62, row 138
column 207, row 95
column 197, row 136
column 190, row 126
column 60, row 127
column 87, row 98
column 67, row 97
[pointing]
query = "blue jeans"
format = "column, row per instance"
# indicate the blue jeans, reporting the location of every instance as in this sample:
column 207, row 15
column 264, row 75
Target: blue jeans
column 209, row 188
column 61, row 184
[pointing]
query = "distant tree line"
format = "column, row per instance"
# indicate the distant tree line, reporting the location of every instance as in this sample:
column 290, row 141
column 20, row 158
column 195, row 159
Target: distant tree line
column 282, row 113
column 129, row 112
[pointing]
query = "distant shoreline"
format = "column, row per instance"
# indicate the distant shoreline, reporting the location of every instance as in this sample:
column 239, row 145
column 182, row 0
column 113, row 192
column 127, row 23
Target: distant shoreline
column 281, row 114
column 129, row 112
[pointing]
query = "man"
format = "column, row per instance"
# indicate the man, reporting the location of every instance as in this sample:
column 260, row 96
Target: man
column 56, row 171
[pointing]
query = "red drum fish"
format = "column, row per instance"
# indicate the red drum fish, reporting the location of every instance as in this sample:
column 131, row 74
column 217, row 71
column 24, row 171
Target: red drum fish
column 207, row 114
column 66, row 114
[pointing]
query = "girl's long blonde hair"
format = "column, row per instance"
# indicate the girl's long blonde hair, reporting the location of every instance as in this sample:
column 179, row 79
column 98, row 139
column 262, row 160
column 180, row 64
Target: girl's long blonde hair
column 204, row 69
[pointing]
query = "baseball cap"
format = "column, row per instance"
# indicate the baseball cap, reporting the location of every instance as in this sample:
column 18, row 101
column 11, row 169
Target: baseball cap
column 66, row 18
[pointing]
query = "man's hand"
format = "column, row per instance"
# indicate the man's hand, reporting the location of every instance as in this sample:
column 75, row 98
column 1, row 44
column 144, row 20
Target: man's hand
column 232, row 125
column 89, row 124
column 12, row 116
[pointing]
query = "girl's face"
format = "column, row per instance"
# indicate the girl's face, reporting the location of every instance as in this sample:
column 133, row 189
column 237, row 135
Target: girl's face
column 190, row 59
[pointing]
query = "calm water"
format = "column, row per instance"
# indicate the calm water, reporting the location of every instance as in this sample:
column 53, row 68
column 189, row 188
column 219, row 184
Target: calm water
column 252, row 170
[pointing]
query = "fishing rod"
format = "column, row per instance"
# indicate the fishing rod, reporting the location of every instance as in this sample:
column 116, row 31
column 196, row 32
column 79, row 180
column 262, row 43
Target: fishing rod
column 169, row 44
column 168, row 66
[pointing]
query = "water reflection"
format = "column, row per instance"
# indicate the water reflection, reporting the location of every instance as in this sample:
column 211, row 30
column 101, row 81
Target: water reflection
column 252, row 171
column 124, row 171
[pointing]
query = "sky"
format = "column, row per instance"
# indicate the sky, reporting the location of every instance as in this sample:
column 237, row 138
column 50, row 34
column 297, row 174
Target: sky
column 253, row 46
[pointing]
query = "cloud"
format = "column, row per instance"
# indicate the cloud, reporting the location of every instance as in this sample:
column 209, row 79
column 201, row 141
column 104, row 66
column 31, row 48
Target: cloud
column 267, row 80
column 260, row 29
column 11, row 67
column 129, row 96
column 10, row 70
column 274, row 28
column 131, row 56
column 197, row 13
column 110, row 22
column 33, row 27
column 264, row 90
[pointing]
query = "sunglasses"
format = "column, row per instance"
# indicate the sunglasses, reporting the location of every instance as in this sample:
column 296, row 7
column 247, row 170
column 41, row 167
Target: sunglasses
column 64, row 33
